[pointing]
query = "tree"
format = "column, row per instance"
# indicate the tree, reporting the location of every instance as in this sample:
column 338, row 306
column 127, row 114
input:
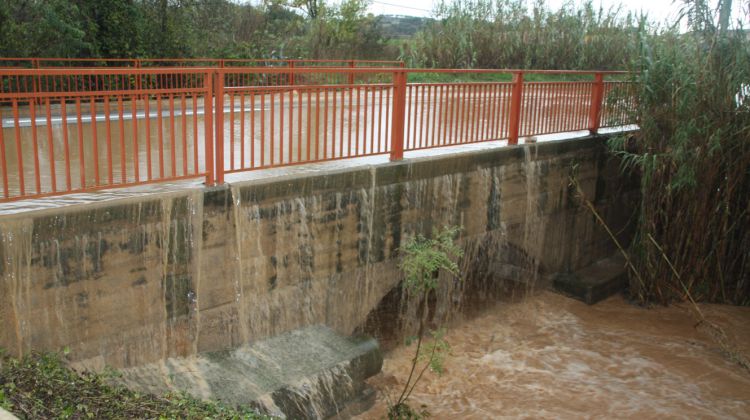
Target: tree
column 422, row 263
column 116, row 26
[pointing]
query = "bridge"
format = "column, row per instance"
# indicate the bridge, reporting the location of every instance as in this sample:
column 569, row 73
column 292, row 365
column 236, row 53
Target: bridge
column 68, row 130
column 246, row 202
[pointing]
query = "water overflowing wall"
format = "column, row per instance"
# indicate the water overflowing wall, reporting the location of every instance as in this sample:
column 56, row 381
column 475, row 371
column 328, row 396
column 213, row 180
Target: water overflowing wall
column 134, row 281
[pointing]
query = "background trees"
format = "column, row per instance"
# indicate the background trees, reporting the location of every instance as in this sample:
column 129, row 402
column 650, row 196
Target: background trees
column 188, row 28
column 463, row 33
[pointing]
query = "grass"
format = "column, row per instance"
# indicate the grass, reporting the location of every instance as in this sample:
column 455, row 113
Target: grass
column 42, row 386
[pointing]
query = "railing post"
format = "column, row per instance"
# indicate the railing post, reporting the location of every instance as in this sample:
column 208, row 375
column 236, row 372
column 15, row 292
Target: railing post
column 291, row 74
column 35, row 85
column 351, row 75
column 208, row 119
column 219, row 126
column 597, row 95
column 516, row 100
column 398, row 115
column 138, row 77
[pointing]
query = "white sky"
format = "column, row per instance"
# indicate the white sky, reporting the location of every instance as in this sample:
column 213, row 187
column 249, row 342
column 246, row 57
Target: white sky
column 659, row 10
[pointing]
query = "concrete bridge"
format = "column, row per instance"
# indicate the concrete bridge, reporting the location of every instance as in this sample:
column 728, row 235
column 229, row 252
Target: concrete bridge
column 131, row 280
column 137, row 226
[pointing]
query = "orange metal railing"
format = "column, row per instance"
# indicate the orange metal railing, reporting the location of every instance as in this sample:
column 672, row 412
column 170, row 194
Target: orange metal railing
column 38, row 63
column 69, row 130
column 85, row 129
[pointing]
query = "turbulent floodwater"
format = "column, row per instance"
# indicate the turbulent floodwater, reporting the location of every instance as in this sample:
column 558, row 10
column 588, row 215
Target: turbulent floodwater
column 554, row 357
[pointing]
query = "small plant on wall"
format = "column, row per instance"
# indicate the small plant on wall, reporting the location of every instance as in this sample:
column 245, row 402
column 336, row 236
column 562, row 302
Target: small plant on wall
column 423, row 260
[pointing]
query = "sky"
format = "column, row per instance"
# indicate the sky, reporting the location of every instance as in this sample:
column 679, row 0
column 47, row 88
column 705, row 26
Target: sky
column 659, row 10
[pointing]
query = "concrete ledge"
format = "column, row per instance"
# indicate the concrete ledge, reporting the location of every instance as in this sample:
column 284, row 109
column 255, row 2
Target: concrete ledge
column 307, row 373
column 4, row 415
column 596, row 282
column 446, row 163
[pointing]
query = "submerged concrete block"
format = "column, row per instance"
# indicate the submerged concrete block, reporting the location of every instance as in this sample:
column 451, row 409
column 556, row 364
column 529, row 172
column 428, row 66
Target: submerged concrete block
column 308, row 373
column 596, row 282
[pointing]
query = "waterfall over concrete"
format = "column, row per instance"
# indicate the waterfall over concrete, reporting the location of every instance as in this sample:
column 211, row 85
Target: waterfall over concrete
column 143, row 280
column 307, row 373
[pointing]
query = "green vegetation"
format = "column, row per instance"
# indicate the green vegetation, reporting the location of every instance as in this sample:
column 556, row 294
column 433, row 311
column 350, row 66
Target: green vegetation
column 693, row 154
column 423, row 260
column 186, row 28
column 462, row 34
column 505, row 34
column 402, row 27
column 41, row 386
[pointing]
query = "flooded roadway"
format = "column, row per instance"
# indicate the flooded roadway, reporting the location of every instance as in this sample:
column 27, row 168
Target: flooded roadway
column 553, row 357
column 167, row 138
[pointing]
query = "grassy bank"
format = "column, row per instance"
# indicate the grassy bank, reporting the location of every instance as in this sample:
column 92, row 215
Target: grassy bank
column 42, row 386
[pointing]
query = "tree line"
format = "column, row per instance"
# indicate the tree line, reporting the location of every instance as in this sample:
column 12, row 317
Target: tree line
column 463, row 33
column 184, row 29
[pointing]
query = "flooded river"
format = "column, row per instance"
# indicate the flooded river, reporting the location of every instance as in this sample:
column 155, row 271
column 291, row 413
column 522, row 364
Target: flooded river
column 554, row 357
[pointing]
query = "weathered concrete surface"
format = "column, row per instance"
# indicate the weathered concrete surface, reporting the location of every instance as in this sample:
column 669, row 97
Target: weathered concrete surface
column 4, row 415
column 307, row 373
column 140, row 280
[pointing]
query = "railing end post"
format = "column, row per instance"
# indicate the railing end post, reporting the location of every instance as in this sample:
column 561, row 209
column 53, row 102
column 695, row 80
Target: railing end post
column 219, row 126
column 597, row 96
column 352, row 64
column 208, row 104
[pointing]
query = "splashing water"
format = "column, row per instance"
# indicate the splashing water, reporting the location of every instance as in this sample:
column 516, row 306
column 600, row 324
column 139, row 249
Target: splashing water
column 550, row 356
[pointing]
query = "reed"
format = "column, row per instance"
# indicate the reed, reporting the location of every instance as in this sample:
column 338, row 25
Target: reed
column 693, row 156
column 508, row 34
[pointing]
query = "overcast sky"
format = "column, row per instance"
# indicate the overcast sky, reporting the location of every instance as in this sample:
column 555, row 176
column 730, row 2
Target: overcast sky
column 659, row 10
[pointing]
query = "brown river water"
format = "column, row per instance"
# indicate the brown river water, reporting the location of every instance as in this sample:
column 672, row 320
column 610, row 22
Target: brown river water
column 553, row 357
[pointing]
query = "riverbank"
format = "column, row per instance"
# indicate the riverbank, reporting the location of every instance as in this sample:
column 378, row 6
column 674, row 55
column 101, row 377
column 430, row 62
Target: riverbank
column 43, row 386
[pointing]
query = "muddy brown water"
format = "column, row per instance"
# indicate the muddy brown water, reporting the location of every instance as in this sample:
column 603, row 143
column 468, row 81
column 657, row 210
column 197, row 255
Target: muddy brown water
column 553, row 357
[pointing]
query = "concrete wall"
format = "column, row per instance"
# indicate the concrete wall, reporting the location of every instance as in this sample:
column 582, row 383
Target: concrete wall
column 133, row 281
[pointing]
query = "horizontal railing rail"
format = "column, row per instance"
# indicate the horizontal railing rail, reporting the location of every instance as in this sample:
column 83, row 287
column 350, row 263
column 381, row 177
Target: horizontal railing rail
column 120, row 128
column 38, row 63
column 68, row 130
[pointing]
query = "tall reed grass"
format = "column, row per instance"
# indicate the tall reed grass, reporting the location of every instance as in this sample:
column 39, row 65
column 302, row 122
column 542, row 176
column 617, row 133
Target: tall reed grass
column 693, row 154
column 508, row 34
